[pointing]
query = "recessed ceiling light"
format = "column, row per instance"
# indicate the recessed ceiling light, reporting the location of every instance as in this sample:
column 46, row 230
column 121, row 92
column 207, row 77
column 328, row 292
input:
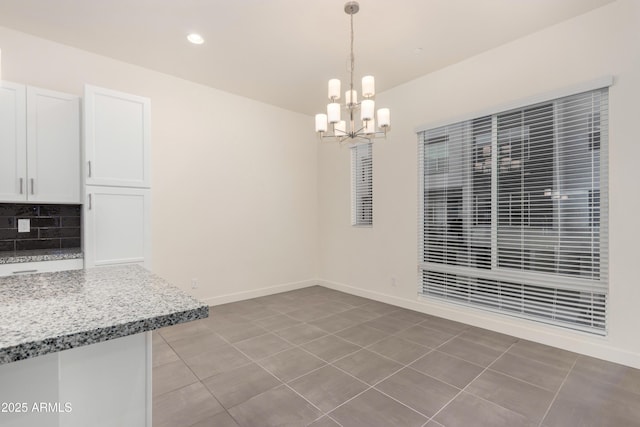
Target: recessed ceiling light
column 195, row 38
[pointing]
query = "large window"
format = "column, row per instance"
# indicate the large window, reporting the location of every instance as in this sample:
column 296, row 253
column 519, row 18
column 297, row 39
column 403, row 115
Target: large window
column 514, row 211
column 362, row 185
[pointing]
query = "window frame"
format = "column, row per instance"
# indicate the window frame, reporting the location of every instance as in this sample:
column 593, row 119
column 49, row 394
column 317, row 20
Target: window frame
column 496, row 273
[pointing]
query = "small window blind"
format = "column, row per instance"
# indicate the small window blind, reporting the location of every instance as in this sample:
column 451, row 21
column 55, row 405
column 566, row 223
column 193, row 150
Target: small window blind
column 514, row 211
column 362, row 185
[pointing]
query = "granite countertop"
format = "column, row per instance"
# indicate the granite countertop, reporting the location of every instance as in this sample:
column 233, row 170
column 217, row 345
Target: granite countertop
column 39, row 255
column 49, row 312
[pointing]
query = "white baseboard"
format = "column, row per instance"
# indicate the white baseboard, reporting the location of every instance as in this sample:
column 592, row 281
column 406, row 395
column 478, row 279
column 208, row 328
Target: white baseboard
column 255, row 293
column 578, row 342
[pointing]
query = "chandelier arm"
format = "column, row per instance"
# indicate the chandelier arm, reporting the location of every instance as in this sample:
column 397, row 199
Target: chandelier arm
column 350, row 138
column 359, row 131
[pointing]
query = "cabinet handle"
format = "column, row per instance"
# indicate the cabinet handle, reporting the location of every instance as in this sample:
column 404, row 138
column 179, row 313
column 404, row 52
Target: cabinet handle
column 24, row 271
column 89, row 201
column 21, row 182
column 32, row 186
column 89, row 167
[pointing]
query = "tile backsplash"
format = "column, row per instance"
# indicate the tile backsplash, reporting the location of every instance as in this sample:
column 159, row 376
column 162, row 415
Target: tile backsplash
column 52, row 227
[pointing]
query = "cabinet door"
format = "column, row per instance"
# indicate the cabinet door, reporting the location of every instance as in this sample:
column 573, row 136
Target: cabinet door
column 13, row 143
column 53, row 146
column 116, row 138
column 117, row 226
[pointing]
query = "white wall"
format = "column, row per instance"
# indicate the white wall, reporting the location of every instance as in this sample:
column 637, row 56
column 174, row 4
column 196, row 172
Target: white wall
column 234, row 181
column 244, row 200
column 363, row 261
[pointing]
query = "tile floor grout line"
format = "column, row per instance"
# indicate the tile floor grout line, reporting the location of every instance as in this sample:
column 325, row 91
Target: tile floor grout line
column 483, row 345
column 428, row 421
column 463, row 360
column 343, row 371
column 270, row 355
column 523, row 381
column 540, row 361
column 300, row 347
column 188, row 367
column 341, row 357
column 369, row 387
column 434, row 378
column 403, row 366
column 453, row 356
column 374, row 385
column 494, row 403
column 322, row 416
column 306, row 373
column 399, row 401
column 354, row 343
column 288, row 386
column 350, row 399
column 555, row 396
column 402, row 403
column 201, row 380
column 282, row 383
column 201, row 383
column 374, row 342
column 422, row 325
column 462, row 390
column 334, row 420
column 266, row 357
column 414, row 341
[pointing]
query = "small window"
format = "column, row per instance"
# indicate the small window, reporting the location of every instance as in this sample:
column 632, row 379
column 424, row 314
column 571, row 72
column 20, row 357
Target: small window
column 361, row 185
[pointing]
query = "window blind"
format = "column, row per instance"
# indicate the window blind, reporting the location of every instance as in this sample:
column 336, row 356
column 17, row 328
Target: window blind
column 362, row 184
column 514, row 211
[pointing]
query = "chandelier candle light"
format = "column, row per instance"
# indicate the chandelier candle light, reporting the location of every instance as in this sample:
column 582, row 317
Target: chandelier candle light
column 366, row 129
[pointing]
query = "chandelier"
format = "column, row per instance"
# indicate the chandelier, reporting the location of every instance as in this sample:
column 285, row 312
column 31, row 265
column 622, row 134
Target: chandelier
column 331, row 127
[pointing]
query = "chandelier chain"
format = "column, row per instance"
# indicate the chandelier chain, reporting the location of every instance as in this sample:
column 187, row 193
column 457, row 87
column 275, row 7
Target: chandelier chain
column 353, row 59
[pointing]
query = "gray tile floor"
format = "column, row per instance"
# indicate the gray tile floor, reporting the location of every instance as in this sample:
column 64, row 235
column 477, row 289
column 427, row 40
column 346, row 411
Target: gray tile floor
column 319, row 357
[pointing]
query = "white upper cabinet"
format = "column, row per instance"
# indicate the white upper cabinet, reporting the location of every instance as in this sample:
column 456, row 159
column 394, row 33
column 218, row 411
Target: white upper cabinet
column 13, row 142
column 116, row 138
column 39, row 145
column 53, row 146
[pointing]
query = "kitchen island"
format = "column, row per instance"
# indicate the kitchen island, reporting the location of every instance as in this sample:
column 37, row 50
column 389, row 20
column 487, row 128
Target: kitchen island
column 75, row 346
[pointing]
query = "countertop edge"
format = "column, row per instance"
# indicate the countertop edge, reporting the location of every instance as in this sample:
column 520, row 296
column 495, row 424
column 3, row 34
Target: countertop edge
column 26, row 258
column 65, row 342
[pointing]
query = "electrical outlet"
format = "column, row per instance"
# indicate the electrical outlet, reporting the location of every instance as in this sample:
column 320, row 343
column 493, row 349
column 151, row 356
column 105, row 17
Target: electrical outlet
column 394, row 281
column 24, row 225
column 194, row 283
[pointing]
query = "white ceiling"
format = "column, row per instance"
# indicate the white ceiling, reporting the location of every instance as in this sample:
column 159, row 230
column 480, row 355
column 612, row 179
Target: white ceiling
column 282, row 52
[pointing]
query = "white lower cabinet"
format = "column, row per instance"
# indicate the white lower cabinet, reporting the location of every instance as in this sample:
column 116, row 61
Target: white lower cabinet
column 117, row 226
column 100, row 385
